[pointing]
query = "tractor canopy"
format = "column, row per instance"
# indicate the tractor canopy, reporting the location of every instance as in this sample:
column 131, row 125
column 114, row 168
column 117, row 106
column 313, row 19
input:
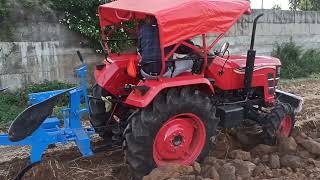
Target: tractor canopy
column 178, row 20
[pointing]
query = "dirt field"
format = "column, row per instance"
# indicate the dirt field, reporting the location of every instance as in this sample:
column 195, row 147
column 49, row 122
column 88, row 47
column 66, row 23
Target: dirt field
column 66, row 162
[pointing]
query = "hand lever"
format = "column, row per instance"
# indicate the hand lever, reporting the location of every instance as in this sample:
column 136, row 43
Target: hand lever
column 80, row 57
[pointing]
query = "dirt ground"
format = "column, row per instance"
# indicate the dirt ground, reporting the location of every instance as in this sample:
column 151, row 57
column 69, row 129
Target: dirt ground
column 66, row 162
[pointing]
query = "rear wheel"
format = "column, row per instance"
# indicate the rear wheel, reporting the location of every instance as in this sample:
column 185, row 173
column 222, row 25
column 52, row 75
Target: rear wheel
column 176, row 128
column 179, row 140
column 279, row 122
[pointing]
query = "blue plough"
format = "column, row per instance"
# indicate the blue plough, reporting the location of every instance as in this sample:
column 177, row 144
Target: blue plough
column 51, row 131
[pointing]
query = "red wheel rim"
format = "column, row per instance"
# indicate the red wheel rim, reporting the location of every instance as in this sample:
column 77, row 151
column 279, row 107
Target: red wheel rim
column 285, row 127
column 180, row 140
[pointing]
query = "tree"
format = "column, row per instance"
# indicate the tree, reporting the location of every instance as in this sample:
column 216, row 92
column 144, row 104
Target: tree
column 309, row 5
column 276, row 7
column 293, row 4
column 305, row 5
column 82, row 16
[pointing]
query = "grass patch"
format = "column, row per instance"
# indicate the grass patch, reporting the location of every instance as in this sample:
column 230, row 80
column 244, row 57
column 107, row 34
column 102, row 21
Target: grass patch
column 12, row 103
column 296, row 62
column 10, row 107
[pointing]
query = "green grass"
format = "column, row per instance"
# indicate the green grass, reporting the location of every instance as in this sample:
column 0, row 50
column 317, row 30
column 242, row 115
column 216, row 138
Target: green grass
column 12, row 103
column 10, row 107
column 296, row 62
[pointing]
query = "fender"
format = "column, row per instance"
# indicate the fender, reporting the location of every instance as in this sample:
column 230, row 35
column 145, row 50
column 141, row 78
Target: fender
column 112, row 76
column 136, row 98
column 295, row 101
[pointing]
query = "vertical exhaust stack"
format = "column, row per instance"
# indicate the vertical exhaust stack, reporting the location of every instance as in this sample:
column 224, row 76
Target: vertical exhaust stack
column 251, row 56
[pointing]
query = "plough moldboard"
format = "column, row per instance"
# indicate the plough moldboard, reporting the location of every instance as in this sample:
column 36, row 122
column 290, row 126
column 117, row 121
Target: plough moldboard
column 36, row 127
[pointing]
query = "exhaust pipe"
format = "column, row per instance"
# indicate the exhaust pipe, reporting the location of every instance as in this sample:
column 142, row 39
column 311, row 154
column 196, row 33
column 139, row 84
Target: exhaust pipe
column 251, row 56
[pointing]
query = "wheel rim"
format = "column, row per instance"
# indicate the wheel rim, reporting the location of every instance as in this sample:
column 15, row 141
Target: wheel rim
column 180, row 140
column 285, row 126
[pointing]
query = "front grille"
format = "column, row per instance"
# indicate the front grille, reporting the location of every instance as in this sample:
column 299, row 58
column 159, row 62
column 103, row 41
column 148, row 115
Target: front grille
column 271, row 87
column 278, row 70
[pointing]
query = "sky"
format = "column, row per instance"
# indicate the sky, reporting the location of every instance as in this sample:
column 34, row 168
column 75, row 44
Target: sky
column 268, row 4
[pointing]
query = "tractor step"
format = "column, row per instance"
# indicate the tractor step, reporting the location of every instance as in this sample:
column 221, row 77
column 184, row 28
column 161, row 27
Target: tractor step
column 230, row 115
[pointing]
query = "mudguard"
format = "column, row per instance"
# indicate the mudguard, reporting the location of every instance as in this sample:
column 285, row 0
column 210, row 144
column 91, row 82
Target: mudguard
column 114, row 76
column 154, row 87
column 295, row 101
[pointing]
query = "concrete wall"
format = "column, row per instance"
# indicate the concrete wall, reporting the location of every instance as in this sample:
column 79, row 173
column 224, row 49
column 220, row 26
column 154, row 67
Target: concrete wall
column 40, row 48
column 37, row 48
column 275, row 26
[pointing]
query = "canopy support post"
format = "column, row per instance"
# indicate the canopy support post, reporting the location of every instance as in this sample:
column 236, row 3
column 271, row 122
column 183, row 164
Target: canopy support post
column 205, row 53
column 215, row 41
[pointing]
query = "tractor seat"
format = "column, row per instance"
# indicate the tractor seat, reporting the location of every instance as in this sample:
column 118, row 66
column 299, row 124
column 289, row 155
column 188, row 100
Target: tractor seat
column 148, row 76
column 174, row 67
column 180, row 66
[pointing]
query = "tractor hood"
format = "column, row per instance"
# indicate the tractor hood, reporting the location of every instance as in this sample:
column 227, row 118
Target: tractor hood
column 260, row 61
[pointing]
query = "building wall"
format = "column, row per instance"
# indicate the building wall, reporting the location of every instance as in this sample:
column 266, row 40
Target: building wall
column 36, row 47
column 275, row 27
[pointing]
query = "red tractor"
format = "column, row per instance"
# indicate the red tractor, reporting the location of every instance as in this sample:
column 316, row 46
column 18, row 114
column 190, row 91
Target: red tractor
column 173, row 119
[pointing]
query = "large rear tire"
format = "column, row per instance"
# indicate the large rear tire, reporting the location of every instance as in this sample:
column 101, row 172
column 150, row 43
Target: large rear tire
column 280, row 122
column 176, row 128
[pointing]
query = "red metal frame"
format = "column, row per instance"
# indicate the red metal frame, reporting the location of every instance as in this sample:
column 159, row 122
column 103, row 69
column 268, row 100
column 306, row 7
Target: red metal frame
column 205, row 53
column 172, row 51
column 136, row 99
column 215, row 41
column 229, row 81
column 203, row 50
column 114, row 75
column 180, row 140
column 106, row 35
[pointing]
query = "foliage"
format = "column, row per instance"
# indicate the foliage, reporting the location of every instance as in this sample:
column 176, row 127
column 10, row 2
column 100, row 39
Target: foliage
column 82, row 16
column 293, row 4
column 6, row 28
column 3, row 9
column 276, row 7
column 45, row 86
column 10, row 106
column 295, row 61
column 311, row 58
column 305, row 5
column 12, row 103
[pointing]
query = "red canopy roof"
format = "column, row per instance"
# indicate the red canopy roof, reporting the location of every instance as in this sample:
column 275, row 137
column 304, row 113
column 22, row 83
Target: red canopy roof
column 177, row 19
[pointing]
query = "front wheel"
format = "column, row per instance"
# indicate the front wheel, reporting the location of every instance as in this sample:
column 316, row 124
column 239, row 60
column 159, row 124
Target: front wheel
column 280, row 122
column 176, row 128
